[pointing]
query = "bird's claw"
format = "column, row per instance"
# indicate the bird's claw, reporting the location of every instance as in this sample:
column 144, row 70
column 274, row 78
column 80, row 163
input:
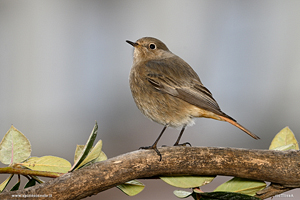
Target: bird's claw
column 155, row 149
column 183, row 144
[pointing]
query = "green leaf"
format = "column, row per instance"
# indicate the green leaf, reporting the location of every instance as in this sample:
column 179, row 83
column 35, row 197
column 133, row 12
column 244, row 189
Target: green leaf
column 182, row 194
column 226, row 196
column 242, row 185
column 16, row 187
column 14, row 147
column 131, row 188
column 283, row 139
column 37, row 179
column 88, row 146
column 187, row 181
column 5, row 183
column 93, row 155
column 48, row 164
column 30, row 183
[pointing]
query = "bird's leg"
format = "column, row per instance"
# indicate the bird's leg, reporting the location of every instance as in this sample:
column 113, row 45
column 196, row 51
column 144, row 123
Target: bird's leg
column 154, row 146
column 179, row 137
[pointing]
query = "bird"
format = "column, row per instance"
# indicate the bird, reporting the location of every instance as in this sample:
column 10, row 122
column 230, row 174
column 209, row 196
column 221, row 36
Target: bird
column 168, row 91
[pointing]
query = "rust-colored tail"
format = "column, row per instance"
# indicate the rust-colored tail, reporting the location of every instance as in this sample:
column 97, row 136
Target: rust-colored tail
column 239, row 126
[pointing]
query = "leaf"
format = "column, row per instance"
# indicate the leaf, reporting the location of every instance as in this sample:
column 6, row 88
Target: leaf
column 197, row 190
column 101, row 157
column 182, row 194
column 14, row 147
column 286, row 147
column 187, row 181
column 30, row 183
column 5, row 183
column 87, row 148
column 131, row 188
column 16, row 187
column 242, row 185
column 48, row 164
column 283, row 139
column 37, row 179
column 226, row 196
column 78, row 151
column 93, row 155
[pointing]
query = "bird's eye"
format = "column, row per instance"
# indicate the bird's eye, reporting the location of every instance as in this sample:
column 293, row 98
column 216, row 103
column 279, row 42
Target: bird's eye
column 152, row 46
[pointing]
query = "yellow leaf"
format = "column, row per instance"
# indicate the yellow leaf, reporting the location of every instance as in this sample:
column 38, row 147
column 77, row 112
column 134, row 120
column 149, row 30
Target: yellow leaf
column 93, row 154
column 187, row 181
column 284, row 140
column 241, row 185
column 14, row 147
column 78, row 151
column 4, row 183
column 132, row 187
column 48, row 164
column 101, row 157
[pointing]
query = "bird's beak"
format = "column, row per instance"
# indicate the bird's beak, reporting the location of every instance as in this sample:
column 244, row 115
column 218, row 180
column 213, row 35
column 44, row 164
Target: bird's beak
column 132, row 43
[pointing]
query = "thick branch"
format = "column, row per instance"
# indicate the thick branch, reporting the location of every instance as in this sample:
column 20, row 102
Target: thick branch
column 274, row 166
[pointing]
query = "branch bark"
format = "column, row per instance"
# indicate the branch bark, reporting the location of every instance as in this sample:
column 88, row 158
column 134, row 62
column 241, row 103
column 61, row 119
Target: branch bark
column 280, row 167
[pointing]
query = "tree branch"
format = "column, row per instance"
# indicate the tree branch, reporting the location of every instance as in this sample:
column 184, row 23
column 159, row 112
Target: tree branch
column 18, row 170
column 280, row 167
column 272, row 190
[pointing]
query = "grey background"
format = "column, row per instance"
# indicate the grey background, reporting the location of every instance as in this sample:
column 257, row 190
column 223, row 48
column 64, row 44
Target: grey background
column 65, row 64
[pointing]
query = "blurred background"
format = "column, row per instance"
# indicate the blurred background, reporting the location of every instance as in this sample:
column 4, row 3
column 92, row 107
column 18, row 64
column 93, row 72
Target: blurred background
column 65, row 64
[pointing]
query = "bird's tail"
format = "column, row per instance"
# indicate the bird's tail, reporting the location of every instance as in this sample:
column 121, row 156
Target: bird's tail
column 239, row 126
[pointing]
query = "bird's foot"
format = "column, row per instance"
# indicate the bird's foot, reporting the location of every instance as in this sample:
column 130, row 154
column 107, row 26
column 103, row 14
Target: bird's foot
column 155, row 149
column 183, row 144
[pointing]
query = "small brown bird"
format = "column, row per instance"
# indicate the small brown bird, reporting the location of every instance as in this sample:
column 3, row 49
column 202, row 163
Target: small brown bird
column 168, row 91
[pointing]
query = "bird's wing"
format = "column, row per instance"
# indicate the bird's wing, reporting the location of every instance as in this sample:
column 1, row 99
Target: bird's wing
column 181, row 82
